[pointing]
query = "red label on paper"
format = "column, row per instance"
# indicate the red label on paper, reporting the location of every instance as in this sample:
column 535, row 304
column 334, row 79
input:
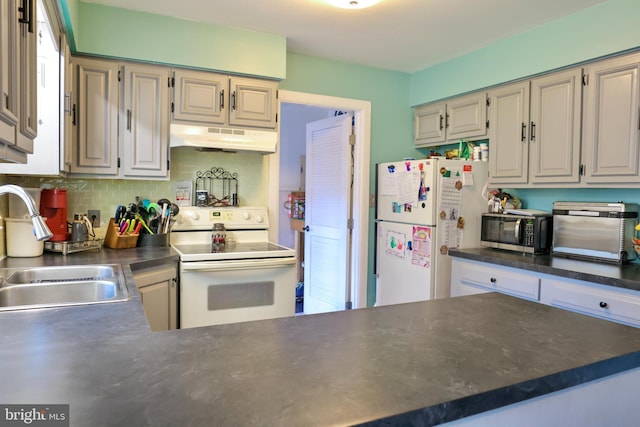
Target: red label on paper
column 466, row 168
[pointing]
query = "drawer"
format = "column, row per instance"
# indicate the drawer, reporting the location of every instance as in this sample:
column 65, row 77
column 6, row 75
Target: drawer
column 491, row 277
column 619, row 305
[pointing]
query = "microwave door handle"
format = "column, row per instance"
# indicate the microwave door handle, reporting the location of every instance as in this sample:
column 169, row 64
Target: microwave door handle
column 517, row 231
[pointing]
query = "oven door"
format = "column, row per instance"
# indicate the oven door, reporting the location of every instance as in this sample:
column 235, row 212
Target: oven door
column 230, row 291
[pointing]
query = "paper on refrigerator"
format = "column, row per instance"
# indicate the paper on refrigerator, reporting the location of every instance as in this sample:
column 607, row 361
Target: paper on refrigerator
column 401, row 183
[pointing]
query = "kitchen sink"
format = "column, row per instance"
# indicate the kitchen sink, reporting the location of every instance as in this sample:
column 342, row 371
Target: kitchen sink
column 44, row 287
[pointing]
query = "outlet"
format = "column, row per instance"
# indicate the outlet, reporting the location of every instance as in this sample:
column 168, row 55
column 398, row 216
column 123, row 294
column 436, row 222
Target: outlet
column 94, row 217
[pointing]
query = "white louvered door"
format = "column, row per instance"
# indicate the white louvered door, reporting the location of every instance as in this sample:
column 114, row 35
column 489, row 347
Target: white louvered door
column 327, row 212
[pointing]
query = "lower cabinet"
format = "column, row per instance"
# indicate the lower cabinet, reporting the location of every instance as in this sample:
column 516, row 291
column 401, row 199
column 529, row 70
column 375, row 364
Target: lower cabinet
column 620, row 305
column 159, row 295
column 472, row 277
column 617, row 304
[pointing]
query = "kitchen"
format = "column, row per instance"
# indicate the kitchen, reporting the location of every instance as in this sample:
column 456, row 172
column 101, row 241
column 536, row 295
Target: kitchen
column 387, row 90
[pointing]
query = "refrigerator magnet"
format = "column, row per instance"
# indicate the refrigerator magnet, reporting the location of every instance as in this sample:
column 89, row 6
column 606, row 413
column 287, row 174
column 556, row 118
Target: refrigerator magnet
column 461, row 223
column 458, row 185
column 444, row 249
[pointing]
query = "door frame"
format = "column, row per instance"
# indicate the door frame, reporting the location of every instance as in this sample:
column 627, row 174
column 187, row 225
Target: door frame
column 361, row 171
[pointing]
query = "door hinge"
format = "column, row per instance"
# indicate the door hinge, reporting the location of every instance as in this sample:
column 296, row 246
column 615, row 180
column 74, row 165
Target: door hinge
column 350, row 224
column 585, row 80
column 348, row 305
column 581, row 171
column 352, row 139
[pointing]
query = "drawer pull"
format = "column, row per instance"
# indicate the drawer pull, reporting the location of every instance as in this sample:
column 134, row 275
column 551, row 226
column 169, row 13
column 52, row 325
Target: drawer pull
column 493, row 280
column 603, row 304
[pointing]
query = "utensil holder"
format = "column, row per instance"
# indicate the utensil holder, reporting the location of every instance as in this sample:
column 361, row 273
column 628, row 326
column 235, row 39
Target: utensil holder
column 153, row 240
column 114, row 240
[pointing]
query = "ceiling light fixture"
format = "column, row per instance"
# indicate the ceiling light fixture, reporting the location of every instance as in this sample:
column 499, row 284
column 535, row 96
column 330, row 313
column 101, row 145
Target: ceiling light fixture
column 353, row 4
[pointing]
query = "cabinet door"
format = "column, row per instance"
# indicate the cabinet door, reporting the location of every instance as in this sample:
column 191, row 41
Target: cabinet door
column 145, row 121
column 28, row 72
column 253, row 102
column 155, row 300
column 467, row 117
column 429, row 123
column 611, row 131
column 8, row 72
column 200, row 97
column 96, row 136
column 158, row 292
column 508, row 125
column 68, row 111
column 554, row 135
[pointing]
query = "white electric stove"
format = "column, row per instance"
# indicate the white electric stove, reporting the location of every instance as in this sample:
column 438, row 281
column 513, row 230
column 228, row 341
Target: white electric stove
column 249, row 278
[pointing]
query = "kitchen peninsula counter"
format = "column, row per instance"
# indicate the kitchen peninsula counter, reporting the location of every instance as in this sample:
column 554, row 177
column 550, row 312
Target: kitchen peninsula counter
column 411, row 364
column 625, row 276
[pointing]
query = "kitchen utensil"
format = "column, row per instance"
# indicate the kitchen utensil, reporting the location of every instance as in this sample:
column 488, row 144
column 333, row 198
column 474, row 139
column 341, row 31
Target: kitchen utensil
column 81, row 228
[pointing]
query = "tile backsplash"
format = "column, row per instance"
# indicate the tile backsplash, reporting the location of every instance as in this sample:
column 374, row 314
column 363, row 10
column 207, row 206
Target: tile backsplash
column 106, row 194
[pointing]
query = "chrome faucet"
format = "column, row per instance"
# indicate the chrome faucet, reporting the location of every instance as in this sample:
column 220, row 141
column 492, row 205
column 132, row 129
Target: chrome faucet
column 40, row 228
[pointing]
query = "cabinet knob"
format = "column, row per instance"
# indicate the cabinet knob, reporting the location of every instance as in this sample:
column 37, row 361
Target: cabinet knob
column 493, row 280
column 603, row 304
column 305, row 228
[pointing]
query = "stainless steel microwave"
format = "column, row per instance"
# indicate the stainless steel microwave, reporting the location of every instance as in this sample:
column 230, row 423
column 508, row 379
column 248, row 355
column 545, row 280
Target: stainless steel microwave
column 530, row 233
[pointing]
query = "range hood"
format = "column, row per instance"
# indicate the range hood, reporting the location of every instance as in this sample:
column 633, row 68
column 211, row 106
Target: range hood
column 223, row 138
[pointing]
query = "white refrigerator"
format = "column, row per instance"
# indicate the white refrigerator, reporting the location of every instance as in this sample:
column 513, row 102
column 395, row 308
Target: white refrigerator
column 424, row 208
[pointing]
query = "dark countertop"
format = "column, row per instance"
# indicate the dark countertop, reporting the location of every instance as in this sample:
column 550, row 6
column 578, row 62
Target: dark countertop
column 622, row 276
column 420, row 363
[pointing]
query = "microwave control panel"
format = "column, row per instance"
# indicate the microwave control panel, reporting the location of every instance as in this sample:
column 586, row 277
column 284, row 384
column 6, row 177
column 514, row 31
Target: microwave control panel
column 528, row 234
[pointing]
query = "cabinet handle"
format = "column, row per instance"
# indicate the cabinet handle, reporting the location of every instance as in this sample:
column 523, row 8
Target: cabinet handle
column 533, row 131
column 222, row 99
column 73, row 115
column 524, row 132
column 603, row 304
column 233, row 100
column 446, row 122
column 493, row 280
column 129, row 120
column 27, row 10
column 441, row 122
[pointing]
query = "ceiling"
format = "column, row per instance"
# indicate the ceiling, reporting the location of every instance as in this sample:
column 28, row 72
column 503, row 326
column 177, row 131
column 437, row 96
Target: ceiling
column 400, row 35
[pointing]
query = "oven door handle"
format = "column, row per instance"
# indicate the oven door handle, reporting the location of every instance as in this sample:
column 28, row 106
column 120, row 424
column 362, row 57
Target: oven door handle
column 244, row 264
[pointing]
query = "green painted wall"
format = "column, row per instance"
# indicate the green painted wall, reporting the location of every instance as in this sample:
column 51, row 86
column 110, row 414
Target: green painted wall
column 594, row 32
column 120, row 33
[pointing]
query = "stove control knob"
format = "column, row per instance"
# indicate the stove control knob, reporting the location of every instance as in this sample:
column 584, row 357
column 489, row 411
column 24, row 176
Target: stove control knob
column 194, row 216
column 246, row 215
column 259, row 219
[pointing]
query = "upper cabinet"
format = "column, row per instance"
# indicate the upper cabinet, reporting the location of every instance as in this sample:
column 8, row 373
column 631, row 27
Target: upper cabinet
column 534, row 130
column 464, row 117
column 611, row 134
column 145, row 109
column 95, row 131
column 121, row 123
column 205, row 98
column 18, row 79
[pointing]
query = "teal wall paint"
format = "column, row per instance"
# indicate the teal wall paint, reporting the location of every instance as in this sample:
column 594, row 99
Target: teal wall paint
column 594, row 32
column 120, row 33
column 391, row 116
